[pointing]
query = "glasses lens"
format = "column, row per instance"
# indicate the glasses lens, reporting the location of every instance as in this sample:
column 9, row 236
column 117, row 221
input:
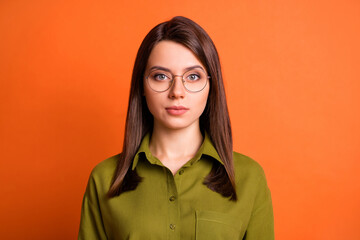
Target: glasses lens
column 195, row 80
column 159, row 80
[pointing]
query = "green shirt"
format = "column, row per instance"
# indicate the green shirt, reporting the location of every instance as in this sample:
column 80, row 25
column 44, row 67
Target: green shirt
column 180, row 206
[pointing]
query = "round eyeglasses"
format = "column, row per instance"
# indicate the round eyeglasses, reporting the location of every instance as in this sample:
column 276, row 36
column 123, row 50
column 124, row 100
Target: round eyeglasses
column 193, row 80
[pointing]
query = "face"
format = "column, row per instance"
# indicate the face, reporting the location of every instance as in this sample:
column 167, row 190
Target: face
column 175, row 108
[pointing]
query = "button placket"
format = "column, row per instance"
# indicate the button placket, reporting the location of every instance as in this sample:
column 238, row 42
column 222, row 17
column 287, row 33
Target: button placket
column 173, row 207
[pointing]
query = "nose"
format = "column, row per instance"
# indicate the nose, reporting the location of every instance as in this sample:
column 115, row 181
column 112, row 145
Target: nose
column 177, row 90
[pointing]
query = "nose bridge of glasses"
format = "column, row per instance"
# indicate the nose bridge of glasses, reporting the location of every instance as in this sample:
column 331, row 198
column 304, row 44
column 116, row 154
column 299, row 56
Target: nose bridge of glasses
column 173, row 83
column 181, row 76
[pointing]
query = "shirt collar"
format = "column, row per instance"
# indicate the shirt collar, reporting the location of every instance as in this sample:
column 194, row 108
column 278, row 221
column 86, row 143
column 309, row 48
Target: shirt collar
column 207, row 148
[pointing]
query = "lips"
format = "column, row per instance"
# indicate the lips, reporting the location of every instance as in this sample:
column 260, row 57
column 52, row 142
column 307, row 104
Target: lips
column 176, row 110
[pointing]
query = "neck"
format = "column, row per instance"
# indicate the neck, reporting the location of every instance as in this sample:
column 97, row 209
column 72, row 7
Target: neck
column 175, row 145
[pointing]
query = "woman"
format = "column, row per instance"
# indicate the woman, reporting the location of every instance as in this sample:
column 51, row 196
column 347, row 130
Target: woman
column 177, row 176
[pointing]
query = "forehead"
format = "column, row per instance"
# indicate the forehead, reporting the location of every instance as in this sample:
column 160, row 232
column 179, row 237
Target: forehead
column 172, row 55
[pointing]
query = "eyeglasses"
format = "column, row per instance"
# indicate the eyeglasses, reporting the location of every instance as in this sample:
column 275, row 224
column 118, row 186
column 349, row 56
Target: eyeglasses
column 193, row 80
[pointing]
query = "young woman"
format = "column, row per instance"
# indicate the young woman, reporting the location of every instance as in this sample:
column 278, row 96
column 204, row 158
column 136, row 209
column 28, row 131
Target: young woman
column 177, row 176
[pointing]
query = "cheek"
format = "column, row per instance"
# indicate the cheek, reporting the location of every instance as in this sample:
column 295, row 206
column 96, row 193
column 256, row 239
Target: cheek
column 153, row 102
column 205, row 96
column 150, row 103
column 202, row 101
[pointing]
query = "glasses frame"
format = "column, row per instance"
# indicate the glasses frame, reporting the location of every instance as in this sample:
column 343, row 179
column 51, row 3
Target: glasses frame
column 173, row 76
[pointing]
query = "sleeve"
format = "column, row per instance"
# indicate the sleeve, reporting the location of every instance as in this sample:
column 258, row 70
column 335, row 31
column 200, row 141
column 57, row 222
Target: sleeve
column 261, row 224
column 91, row 224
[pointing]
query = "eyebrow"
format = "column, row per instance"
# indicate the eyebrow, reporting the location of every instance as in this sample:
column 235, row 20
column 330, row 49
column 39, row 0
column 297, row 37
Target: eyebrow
column 168, row 70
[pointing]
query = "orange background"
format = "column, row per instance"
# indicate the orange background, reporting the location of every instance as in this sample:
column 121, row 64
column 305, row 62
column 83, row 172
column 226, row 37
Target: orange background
column 291, row 72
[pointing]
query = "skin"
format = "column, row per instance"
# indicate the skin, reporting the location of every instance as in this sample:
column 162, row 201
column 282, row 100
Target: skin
column 175, row 139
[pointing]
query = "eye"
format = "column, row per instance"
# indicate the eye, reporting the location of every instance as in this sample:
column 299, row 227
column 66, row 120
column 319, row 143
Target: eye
column 193, row 77
column 159, row 77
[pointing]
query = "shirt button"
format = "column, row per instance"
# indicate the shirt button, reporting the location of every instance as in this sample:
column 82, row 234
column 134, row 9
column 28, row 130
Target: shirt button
column 172, row 226
column 172, row 198
column 181, row 172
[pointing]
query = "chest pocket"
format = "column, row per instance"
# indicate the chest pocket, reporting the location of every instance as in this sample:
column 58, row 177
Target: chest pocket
column 216, row 226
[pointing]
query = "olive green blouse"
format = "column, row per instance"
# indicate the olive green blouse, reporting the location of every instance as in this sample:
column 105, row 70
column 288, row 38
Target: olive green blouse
column 180, row 206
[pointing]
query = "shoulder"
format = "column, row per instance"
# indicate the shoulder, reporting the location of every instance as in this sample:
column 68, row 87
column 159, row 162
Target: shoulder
column 106, row 166
column 247, row 168
column 103, row 172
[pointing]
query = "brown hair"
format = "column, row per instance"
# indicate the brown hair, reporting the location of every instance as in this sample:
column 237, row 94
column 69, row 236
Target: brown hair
column 214, row 120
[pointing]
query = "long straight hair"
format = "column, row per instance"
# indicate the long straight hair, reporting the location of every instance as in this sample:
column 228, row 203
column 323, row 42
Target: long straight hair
column 214, row 120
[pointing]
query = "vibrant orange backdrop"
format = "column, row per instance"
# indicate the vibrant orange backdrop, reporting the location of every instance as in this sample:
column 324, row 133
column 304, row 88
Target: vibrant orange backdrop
column 291, row 71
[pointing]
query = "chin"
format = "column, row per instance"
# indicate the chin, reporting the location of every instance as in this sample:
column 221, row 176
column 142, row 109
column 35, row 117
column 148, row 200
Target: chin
column 177, row 125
